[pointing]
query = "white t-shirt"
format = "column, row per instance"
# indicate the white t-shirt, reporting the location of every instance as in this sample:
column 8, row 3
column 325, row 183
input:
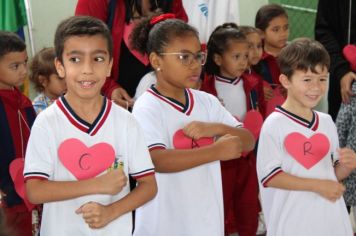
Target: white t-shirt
column 206, row 15
column 296, row 213
column 114, row 128
column 146, row 82
column 188, row 202
column 233, row 95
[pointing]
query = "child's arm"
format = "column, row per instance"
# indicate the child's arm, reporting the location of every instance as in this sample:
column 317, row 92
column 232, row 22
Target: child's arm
column 328, row 189
column 197, row 130
column 230, row 146
column 40, row 191
column 346, row 164
column 98, row 216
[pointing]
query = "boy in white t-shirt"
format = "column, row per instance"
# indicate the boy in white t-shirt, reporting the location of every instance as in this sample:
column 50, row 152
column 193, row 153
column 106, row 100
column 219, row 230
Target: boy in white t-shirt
column 299, row 163
column 83, row 147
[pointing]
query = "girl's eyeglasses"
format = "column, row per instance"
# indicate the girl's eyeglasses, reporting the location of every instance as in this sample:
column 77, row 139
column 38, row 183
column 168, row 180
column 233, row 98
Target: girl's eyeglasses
column 187, row 58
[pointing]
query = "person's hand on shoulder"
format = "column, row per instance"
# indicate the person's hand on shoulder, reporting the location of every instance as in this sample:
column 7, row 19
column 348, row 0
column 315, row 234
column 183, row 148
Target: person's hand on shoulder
column 122, row 98
column 345, row 86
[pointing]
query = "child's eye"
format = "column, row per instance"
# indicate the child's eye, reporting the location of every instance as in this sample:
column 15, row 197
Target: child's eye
column 276, row 29
column 74, row 59
column 99, row 59
column 14, row 67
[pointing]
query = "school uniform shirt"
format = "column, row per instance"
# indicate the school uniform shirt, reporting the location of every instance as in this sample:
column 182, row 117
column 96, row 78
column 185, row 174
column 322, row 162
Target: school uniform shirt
column 296, row 213
column 233, row 95
column 54, row 132
column 16, row 118
column 188, row 202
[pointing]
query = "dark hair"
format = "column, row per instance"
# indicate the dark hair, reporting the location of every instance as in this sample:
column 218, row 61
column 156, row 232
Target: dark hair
column 218, row 43
column 10, row 42
column 146, row 38
column 42, row 64
column 267, row 13
column 302, row 54
column 80, row 26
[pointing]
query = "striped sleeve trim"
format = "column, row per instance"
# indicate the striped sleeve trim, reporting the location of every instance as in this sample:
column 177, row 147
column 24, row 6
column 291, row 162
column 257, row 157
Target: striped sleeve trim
column 273, row 173
column 35, row 175
column 143, row 173
column 156, row 146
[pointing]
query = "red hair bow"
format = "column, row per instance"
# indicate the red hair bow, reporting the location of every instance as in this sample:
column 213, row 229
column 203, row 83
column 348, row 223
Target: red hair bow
column 162, row 17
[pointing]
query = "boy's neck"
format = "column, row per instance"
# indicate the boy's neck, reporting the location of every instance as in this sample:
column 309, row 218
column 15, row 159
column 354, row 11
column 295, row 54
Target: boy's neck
column 272, row 50
column 87, row 109
column 303, row 112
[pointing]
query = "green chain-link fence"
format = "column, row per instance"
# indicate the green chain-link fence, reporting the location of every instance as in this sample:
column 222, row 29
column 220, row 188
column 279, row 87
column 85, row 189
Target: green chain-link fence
column 301, row 15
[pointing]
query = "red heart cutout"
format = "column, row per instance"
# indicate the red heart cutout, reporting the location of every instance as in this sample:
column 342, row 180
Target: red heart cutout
column 276, row 100
column 85, row 162
column 307, row 151
column 16, row 172
column 253, row 122
column 181, row 141
column 349, row 52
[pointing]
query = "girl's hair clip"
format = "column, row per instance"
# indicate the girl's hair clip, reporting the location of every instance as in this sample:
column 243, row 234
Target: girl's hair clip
column 162, row 17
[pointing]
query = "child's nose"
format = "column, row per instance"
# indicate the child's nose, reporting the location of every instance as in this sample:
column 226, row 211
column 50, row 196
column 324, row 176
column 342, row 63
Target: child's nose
column 87, row 68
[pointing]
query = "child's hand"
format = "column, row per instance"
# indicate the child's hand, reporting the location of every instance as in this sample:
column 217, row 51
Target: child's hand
column 347, row 158
column 268, row 93
column 112, row 182
column 95, row 214
column 198, row 129
column 228, row 147
column 330, row 189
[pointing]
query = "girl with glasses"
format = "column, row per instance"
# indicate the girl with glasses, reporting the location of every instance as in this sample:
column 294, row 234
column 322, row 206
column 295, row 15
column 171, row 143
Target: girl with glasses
column 187, row 131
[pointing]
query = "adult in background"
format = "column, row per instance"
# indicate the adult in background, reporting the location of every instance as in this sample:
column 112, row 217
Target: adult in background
column 129, row 66
column 335, row 27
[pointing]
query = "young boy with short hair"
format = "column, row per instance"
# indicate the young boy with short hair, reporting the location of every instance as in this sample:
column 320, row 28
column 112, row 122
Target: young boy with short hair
column 16, row 118
column 299, row 163
column 83, row 146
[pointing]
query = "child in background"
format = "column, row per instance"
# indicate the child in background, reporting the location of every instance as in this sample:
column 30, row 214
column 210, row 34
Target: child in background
column 346, row 129
column 227, row 60
column 46, row 80
column 299, row 163
column 272, row 20
column 16, row 118
column 252, row 74
column 82, row 146
column 179, row 125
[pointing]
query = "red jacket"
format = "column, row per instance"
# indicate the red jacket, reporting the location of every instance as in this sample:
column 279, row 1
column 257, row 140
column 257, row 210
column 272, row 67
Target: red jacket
column 270, row 69
column 99, row 9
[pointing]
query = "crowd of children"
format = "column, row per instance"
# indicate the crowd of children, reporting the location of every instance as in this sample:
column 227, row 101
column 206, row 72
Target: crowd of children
column 202, row 162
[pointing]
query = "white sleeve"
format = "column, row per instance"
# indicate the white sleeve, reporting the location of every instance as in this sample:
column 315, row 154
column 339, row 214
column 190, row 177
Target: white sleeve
column 140, row 163
column 151, row 121
column 40, row 152
column 269, row 154
column 218, row 113
column 145, row 83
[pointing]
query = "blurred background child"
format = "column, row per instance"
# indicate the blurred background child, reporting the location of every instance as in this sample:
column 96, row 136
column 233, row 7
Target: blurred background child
column 346, row 129
column 227, row 60
column 16, row 119
column 46, row 80
column 272, row 20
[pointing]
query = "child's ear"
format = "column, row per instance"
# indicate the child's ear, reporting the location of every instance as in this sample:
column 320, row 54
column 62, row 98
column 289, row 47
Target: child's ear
column 155, row 60
column 217, row 59
column 43, row 80
column 59, row 67
column 285, row 81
